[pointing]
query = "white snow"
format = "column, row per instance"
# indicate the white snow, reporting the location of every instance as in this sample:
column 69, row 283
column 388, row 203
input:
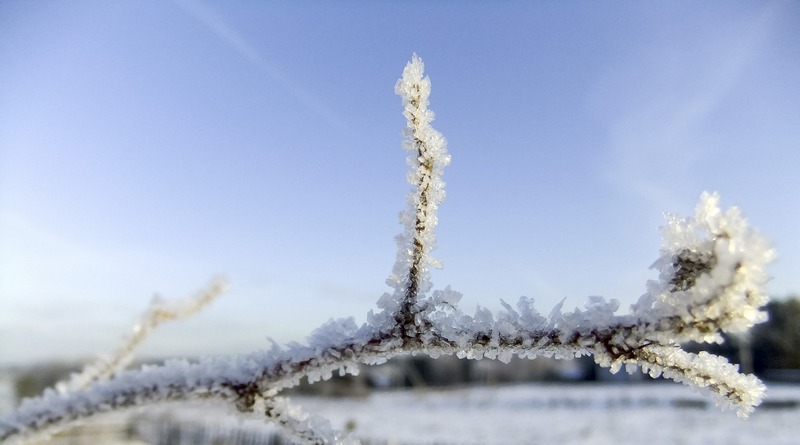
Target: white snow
column 654, row 414
column 597, row 414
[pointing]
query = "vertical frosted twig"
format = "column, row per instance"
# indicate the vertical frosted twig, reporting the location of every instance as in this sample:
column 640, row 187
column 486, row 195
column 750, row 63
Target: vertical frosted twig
column 427, row 157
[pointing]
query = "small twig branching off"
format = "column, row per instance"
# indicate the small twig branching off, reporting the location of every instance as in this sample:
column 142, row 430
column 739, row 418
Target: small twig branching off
column 159, row 312
column 711, row 280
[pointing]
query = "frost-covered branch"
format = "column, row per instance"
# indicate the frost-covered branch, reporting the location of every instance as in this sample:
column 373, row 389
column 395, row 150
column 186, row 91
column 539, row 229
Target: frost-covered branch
column 159, row 312
column 303, row 427
column 427, row 157
column 711, row 280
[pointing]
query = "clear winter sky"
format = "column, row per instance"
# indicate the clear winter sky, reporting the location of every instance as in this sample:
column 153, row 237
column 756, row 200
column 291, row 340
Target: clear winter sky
column 148, row 146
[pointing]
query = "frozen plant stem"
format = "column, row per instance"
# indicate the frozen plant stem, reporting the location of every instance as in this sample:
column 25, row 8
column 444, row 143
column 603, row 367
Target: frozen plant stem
column 427, row 157
column 406, row 315
column 159, row 312
column 711, row 280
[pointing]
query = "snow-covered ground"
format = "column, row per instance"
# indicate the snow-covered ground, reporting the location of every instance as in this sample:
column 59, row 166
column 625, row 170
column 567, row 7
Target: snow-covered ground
column 650, row 414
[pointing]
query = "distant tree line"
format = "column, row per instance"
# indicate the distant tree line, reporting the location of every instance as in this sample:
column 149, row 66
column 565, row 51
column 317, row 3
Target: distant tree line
column 776, row 343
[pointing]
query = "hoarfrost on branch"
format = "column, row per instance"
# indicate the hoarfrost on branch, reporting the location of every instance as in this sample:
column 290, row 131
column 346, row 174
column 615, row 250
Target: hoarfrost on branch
column 711, row 277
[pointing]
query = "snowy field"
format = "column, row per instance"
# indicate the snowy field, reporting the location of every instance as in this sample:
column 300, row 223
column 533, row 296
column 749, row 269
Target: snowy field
column 642, row 414
column 653, row 414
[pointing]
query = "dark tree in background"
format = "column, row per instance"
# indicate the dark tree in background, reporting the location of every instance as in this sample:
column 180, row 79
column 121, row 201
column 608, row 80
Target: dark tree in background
column 776, row 343
column 771, row 350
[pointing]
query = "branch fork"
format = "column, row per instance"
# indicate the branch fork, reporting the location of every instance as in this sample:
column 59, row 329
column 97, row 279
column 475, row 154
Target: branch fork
column 711, row 280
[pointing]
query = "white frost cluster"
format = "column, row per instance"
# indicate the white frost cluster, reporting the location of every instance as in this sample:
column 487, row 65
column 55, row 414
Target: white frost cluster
column 712, row 270
column 712, row 277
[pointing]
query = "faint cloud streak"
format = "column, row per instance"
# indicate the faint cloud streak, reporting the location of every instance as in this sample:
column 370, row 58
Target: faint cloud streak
column 656, row 105
column 215, row 23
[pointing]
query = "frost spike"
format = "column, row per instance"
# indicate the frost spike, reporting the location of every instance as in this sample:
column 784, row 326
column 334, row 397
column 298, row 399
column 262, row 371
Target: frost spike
column 427, row 157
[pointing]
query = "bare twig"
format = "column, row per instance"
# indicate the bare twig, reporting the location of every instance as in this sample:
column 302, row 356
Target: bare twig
column 159, row 312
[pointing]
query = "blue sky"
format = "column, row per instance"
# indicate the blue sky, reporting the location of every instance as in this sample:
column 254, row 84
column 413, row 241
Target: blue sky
column 146, row 147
